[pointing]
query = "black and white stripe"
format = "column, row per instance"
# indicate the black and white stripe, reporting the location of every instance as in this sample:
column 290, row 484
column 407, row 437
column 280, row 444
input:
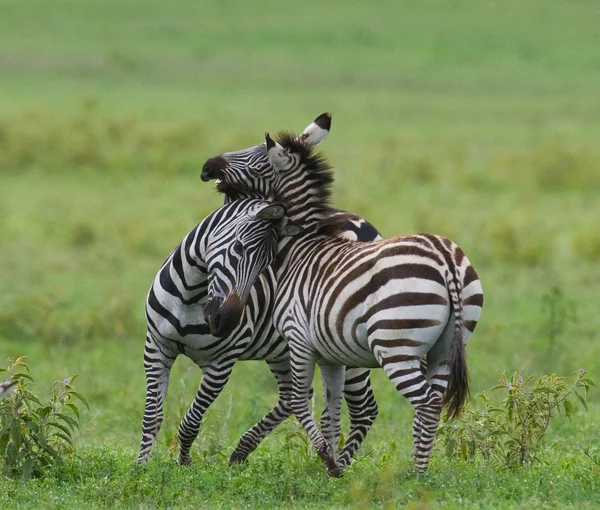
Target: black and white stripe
column 382, row 304
column 184, row 300
column 250, row 173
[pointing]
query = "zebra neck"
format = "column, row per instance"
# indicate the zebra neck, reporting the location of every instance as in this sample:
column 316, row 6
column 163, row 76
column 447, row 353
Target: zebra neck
column 187, row 268
column 305, row 206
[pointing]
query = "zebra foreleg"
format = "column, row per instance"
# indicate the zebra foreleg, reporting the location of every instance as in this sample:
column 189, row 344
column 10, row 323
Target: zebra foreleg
column 333, row 384
column 362, row 409
column 303, row 370
column 251, row 439
column 157, row 363
column 214, row 379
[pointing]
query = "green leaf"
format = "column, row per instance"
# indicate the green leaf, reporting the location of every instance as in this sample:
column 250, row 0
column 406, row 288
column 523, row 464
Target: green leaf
column 60, row 426
column 582, row 400
column 15, row 432
column 27, row 469
column 3, row 442
column 80, row 397
column 42, row 412
column 23, row 376
column 68, row 420
column 32, row 426
column 74, row 408
column 20, row 361
column 30, row 397
column 65, row 437
column 568, row 408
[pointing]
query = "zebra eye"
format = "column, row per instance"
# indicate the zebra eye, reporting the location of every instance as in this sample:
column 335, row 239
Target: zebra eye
column 238, row 248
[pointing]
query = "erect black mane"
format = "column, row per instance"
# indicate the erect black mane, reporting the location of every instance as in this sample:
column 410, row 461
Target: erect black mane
column 319, row 175
column 318, row 171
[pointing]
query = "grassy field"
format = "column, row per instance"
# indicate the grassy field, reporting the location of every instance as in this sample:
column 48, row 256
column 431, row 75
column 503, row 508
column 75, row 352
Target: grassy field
column 476, row 120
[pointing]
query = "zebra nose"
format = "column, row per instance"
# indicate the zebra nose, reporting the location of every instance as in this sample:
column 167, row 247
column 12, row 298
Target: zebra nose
column 213, row 169
column 226, row 318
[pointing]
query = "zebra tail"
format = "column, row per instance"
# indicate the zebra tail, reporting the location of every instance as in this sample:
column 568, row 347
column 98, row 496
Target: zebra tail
column 458, row 383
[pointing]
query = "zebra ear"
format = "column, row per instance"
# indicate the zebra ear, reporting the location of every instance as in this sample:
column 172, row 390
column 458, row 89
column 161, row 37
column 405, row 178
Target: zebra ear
column 317, row 130
column 271, row 212
column 278, row 156
column 289, row 228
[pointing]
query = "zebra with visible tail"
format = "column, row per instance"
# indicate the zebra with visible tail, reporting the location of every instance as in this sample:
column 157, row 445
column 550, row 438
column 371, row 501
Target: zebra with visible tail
column 249, row 171
column 224, row 331
column 379, row 304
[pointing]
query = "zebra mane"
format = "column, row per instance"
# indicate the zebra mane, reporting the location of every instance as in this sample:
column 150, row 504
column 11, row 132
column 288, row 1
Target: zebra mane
column 318, row 176
column 318, row 171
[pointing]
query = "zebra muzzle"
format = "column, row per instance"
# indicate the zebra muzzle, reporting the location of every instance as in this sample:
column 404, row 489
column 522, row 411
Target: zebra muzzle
column 225, row 318
column 213, row 169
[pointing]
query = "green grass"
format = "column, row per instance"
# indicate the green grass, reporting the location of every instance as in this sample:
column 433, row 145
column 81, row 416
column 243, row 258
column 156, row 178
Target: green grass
column 475, row 120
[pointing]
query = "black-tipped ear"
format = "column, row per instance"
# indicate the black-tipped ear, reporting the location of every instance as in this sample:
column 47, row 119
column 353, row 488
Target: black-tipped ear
column 271, row 212
column 324, row 121
column 270, row 142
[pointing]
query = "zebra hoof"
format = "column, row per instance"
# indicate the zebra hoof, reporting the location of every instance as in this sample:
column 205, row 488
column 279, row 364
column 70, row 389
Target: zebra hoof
column 334, row 472
column 236, row 458
column 185, row 461
column 330, row 464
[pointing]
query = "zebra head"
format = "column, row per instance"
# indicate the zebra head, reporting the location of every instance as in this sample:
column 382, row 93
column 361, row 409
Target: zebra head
column 251, row 170
column 234, row 266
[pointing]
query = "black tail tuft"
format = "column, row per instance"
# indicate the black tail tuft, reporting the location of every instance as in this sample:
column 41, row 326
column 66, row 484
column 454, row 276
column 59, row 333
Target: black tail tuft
column 458, row 385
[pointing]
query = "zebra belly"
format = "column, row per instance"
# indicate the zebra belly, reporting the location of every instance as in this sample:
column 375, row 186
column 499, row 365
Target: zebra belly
column 350, row 351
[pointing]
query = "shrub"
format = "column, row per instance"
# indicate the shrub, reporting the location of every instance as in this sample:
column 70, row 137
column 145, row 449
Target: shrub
column 513, row 433
column 33, row 435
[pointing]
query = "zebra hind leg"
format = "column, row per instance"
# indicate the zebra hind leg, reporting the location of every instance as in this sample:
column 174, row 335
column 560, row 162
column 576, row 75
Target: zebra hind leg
column 362, row 409
column 157, row 364
column 251, row 439
column 410, row 382
column 303, row 370
column 436, row 371
column 214, row 379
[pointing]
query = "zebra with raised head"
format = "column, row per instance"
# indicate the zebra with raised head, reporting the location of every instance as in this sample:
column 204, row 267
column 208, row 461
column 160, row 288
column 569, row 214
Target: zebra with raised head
column 249, row 171
column 381, row 304
column 215, row 330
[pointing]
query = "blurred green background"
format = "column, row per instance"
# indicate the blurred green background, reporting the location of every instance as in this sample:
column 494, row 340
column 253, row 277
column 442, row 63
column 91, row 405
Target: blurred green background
column 475, row 120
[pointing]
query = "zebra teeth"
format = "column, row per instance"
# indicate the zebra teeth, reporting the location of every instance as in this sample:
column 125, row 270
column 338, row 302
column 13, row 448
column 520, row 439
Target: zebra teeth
column 218, row 181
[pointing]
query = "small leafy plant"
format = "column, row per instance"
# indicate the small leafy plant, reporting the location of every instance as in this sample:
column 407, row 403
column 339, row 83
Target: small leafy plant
column 34, row 435
column 513, row 433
